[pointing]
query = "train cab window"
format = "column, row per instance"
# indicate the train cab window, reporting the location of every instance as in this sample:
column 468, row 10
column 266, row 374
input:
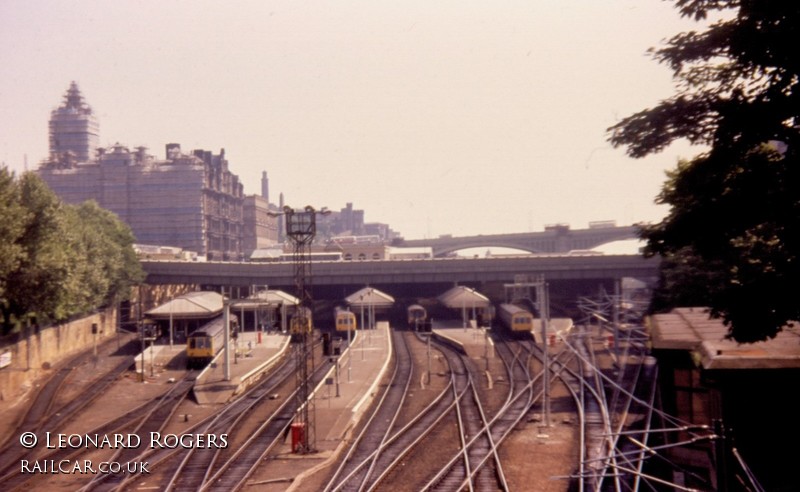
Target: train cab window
column 191, row 343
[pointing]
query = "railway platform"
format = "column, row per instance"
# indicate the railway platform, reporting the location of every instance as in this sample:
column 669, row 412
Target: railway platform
column 340, row 402
column 343, row 397
column 475, row 342
column 253, row 355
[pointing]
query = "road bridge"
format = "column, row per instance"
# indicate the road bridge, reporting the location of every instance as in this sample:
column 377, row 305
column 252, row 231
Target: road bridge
column 557, row 238
column 377, row 272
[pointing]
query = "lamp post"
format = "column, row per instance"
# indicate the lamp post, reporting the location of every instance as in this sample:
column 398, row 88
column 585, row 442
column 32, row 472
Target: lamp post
column 152, row 340
column 486, row 347
column 349, row 354
column 363, row 328
column 429, row 353
column 141, row 331
column 371, row 314
column 463, row 312
column 337, row 376
column 226, row 321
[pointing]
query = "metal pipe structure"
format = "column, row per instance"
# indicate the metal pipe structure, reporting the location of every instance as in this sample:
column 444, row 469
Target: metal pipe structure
column 301, row 228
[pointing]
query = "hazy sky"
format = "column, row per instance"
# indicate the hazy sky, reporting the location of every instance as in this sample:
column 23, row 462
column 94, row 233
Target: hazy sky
column 437, row 117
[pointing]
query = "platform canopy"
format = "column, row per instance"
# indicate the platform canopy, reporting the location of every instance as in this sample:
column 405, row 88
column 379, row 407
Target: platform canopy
column 201, row 304
column 464, row 297
column 266, row 298
column 369, row 296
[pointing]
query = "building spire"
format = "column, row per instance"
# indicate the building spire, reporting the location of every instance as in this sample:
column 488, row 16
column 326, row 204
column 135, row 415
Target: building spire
column 73, row 99
column 74, row 130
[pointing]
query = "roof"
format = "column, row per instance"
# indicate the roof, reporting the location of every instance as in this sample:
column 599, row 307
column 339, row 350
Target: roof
column 369, row 296
column 201, row 304
column 266, row 298
column 464, row 297
column 692, row 329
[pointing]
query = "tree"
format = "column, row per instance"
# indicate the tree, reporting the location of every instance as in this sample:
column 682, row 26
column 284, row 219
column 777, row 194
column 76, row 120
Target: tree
column 108, row 244
column 59, row 260
column 12, row 218
column 734, row 209
column 44, row 265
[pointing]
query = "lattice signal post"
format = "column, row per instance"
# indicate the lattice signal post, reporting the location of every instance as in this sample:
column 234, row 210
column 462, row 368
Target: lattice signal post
column 301, row 227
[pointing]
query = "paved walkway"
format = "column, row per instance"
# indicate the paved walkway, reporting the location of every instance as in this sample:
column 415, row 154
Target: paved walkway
column 361, row 367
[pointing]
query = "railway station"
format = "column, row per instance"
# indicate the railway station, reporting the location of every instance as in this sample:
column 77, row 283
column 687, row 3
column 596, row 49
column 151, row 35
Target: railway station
column 348, row 383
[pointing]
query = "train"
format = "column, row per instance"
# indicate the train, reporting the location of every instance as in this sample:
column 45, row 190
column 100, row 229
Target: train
column 416, row 314
column 301, row 323
column 417, row 317
column 345, row 320
column 205, row 343
column 516, row 318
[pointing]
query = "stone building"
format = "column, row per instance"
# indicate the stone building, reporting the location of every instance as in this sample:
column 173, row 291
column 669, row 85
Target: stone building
column 260, row 219
column 192, row 201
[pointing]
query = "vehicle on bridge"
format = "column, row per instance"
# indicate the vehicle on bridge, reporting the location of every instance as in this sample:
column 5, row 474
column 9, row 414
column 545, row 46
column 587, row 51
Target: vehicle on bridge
column 517, row 319
column 345, row 320
column 205, row 343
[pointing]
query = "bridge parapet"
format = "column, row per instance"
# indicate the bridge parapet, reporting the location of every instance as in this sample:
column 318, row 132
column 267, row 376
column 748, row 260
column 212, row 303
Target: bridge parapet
column 449, row 270
column 559, row 239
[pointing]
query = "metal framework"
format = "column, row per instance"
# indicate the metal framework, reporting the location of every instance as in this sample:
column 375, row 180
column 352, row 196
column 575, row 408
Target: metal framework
column 520, row 290
column 301, row 227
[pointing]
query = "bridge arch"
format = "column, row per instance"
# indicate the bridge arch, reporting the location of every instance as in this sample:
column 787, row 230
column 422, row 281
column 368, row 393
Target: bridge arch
column 440, row 253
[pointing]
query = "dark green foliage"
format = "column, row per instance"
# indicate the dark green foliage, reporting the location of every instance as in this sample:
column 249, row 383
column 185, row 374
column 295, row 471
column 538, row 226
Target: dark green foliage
column 12, row 219
column 62, row 260
column 734, row 210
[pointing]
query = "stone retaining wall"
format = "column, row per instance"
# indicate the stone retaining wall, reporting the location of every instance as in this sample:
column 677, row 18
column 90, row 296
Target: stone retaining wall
column 36, row 355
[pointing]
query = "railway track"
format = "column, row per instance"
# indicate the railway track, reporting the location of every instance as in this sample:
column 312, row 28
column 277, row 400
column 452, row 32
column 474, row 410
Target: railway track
column 611, row 455
column 232, row 474
column 123, row 424
column 42, row 416
column 361, row 460
column 476, row 466
column 197, row 464
column 153, row 421
column 477, row 463
column 405, row 439
column 614, row 404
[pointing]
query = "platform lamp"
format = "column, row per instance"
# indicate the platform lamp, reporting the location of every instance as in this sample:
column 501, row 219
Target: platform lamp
column 363, row 328
column 350, row 355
